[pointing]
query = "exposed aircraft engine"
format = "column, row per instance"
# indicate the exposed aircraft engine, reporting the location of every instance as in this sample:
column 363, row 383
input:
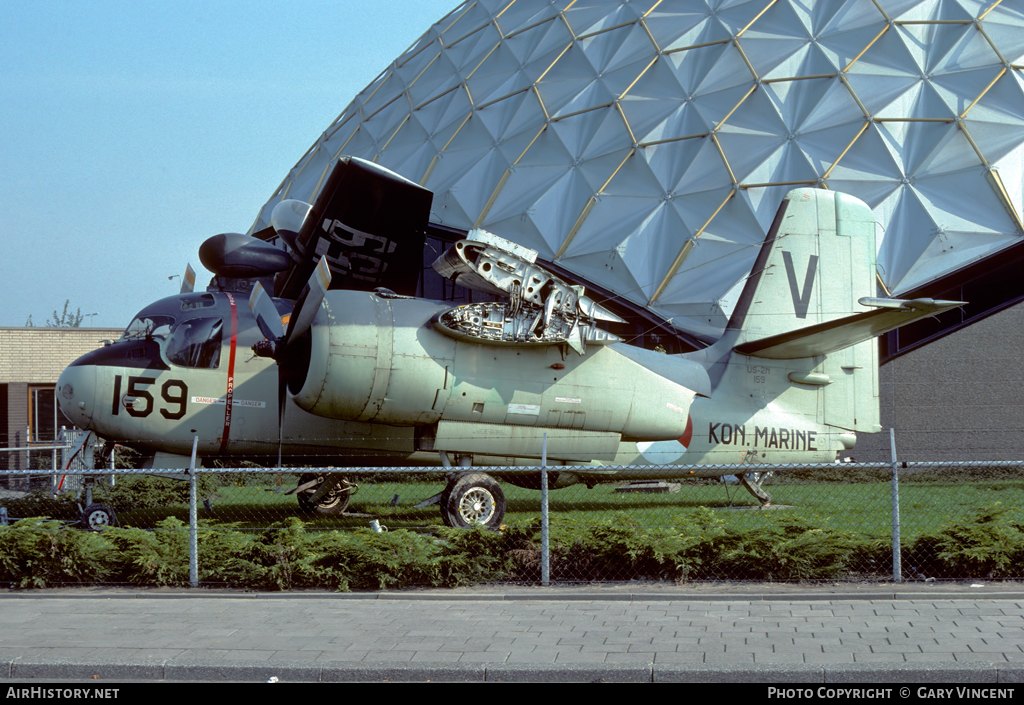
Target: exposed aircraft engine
column 542, row 308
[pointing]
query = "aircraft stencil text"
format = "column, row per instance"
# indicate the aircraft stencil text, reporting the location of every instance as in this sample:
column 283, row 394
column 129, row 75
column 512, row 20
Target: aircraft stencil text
column 762, row 437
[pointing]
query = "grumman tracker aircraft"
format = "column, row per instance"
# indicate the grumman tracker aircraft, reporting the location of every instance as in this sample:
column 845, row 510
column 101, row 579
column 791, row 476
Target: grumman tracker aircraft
column 345, row 364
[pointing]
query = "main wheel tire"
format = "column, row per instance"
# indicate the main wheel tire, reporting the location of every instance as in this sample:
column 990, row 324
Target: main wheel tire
column 97, row 517
column 333, row 502
column 473, row 499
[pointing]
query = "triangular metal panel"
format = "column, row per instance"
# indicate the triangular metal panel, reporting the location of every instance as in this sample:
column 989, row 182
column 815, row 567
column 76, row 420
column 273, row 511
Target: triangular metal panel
column 465, row 149
column 932, row 44
column 386, row 121
column 903, row 212
column 385, row 91
column 537, row 48
column 625, row 52
column 467, row 54
column 1003, row 26
column 706, row 170
column 823, row 147
column 752, row 133
column 477, row 183
column 518, row 116
column 952, row 153
column 497, row 77
column 438, row 79
column 920, row 102
column 637, row 179
column 599, row 169
column 651, row 101
column 610, row 223
column 440, row 118
column 571, row 85
column 964, row 201
column 590, row 16
column 843, row 44
column 788, row 164
column 577, row 132
column 669, row 162
column 555, row 213
column 809, row 60
column 736, row 14
column 684, row 121
column 926, row 11
column 684, row 24
column 446, row 210
column 411, row 64
column 608, row 268
column 913, row 142
column 412, row 160
column 951, row 251
column 469, row 17
column 764, row 201
column 697, row 208
column 651, row 248
column 516, row 15
column 839, row 16
column 524, row 186
column 797, row 101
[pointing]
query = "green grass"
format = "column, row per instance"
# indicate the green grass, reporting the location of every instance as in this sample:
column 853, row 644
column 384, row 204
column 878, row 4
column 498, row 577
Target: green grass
column 863, row 508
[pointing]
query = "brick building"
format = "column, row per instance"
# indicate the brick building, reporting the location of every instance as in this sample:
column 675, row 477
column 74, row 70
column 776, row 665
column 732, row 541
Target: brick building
column 31, row 360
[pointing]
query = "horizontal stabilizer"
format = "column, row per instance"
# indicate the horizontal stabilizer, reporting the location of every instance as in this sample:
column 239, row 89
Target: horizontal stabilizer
column 824, row 338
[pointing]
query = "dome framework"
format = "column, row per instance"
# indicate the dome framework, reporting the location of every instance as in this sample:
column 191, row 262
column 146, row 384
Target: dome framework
column 645, row 145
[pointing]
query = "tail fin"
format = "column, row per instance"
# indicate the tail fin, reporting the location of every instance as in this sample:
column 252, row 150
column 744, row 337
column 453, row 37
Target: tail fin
column 811, row 294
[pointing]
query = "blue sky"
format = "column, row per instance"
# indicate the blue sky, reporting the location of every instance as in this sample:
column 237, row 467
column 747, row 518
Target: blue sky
column 131, row 131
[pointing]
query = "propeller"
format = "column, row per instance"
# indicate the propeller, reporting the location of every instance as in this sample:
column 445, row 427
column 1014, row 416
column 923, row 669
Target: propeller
column 188, row 280
column 279, row 343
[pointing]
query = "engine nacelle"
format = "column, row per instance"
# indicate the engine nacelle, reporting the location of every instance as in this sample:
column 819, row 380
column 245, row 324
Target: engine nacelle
column 378, row 359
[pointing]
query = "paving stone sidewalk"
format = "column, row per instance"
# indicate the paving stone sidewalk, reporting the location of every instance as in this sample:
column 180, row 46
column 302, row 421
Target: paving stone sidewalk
column 882, row 635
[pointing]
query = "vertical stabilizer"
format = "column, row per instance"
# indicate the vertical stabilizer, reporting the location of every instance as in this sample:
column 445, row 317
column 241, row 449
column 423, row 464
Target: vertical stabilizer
column 817, row 261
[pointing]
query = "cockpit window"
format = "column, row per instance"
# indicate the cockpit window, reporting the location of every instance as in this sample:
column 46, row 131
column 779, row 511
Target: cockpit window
column 146, row 326
column 196, row 343
column 189, row 302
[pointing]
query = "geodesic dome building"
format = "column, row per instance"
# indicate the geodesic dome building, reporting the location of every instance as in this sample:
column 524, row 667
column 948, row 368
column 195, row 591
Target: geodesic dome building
column 645, row 145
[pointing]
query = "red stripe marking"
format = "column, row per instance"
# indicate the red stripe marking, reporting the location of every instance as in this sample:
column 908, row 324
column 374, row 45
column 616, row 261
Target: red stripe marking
column 688, row 433
column 231, row 374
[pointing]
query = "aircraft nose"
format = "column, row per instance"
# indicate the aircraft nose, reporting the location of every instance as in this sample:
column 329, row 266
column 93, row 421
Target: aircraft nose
column 76, row 392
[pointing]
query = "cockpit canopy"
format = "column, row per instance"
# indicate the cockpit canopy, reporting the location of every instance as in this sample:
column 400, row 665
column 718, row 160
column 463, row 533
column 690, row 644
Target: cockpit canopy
column 189, row 333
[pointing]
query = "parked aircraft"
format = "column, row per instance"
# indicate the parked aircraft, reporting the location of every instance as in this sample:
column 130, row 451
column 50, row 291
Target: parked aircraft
column 345, row 364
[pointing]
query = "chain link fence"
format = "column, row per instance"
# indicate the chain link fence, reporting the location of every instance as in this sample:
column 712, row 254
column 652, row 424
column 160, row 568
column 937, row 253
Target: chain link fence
column 949, row 521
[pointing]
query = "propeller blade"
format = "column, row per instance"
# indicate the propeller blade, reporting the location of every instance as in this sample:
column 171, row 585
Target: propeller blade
column 309, row 303
column 267, row 317
column 188, row 281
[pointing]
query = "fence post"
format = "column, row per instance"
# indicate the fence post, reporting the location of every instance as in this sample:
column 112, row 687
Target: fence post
column 193, row 521
column 545, row 556
column 897, row 566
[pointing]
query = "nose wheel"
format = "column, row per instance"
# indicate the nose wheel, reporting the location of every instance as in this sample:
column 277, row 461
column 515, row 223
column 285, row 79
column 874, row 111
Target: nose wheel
column 473, row 499
column 97, row 517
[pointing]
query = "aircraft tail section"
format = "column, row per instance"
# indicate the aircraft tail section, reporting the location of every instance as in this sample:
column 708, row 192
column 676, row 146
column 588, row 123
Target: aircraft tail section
column 812, row 290
column 809, row 311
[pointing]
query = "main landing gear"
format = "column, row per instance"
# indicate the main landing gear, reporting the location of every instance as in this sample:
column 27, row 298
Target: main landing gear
column 470, row 498
column 325, row 495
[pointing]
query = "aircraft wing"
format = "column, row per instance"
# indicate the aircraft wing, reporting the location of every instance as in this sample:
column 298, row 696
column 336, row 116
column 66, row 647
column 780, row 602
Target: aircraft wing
column 368, row 222
column 824, row 338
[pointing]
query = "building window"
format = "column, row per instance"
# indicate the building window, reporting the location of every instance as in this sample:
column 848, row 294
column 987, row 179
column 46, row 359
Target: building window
column 44, row 416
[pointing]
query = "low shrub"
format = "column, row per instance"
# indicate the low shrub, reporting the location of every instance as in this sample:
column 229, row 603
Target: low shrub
column 42, row 552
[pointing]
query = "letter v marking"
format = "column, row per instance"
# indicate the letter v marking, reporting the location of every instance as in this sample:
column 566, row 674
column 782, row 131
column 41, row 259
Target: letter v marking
column 800, row 299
